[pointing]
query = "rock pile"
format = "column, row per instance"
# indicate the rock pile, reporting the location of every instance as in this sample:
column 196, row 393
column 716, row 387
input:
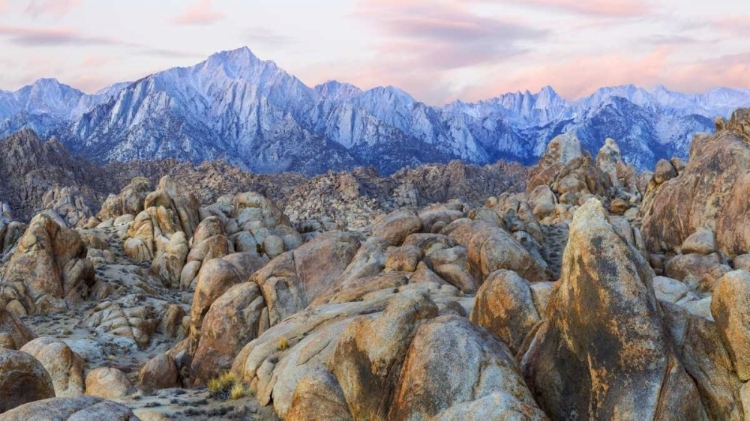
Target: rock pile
column 592, row 292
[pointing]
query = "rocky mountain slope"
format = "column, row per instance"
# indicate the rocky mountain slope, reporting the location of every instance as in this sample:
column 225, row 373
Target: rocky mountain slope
column 250, row 113
column 595, row 284
column 37, row 176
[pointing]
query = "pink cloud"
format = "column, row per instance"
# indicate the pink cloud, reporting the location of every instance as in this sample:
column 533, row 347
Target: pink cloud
column 734, row 25
column 581, row 76
column 95, row 61
column 27, row 36
column 200, row 13
column 606, row 8
column 438, row 35
column 51, row 7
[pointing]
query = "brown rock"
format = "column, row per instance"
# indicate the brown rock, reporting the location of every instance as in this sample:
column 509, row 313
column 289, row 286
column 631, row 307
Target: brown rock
column 603, row 332
column 295, row 279
column 664, row 171
column 701, row 351
column 435, row 385
column 62, row 364
column 318, row 397
column 742, row 262
column 232, row 321
column 71, row 409
column 159, row 372
column 698, row 271
column 701, row 195
column 108, row 383
column 171, row 322
column 398, row 225
column 214, row 279
column 23, row 379
column 731, row 310
column 559, row 152
column 370, row 353
column 214, row 247
column 135, row 323
column 404, row 259
column 618, row 206
column 458, row 277
column 505, row 307
column 14, row 330
column 168, row 264
column 700, row 242
column 491, row 249
column 129, row 201
column 49, row 268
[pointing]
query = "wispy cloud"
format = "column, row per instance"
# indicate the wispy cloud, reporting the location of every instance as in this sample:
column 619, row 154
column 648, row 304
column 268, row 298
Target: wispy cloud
column 56, row 8
column 673, row 40
column 660, row 66
column 597, row 8
column 444, row 34
column 27, row 36
column 163, row 52
column 734, row 25
column 260, row 35
column 422, row 45
column 201, row 13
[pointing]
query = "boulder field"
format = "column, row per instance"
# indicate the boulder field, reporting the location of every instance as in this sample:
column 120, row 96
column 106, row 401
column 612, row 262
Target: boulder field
column 592, row 291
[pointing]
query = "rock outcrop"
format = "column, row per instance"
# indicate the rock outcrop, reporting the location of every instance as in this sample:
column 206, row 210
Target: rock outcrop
column 602, row 342
column 706, row 195
column 48, row 270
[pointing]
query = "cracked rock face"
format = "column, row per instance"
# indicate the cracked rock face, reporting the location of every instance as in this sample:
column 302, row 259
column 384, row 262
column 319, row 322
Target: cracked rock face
column 443, row 292
column 134, row 323
column 620, row 352
column 48, row 270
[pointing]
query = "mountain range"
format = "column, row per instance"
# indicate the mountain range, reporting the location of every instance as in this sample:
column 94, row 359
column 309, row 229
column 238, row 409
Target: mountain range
column 253, row 114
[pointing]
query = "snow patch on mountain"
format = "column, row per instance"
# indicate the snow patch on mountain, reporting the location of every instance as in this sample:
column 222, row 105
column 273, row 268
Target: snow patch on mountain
column 252, row 113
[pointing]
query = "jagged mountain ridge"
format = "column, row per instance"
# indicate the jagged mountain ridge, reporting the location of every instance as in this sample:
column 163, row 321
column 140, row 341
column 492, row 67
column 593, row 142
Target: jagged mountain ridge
column 249, row 112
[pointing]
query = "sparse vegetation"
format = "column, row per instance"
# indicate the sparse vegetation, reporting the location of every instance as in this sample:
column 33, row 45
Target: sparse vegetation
column 226, row 386
column 238, row 391
column 283, row 344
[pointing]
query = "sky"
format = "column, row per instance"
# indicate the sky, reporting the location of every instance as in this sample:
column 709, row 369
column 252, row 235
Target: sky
column 437, row 50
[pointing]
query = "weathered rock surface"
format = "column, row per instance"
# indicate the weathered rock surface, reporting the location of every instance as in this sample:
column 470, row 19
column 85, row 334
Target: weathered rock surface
column 128, row 201
column 63, row 365
column 699, row 346
column 108, row 383
column 159, row 372
column 232, row 321
column 560, row 151
column 396, row 226
column 434, row 385
column 362, row 364
column 603, row 341
column 72, row 205
column 49, row 268
column 705, row 195
column 295, row 279
column 505, row 307
column 13, row 332
column 70, row 409
column 135, row 323
column 731, row 310
column 22, row 379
